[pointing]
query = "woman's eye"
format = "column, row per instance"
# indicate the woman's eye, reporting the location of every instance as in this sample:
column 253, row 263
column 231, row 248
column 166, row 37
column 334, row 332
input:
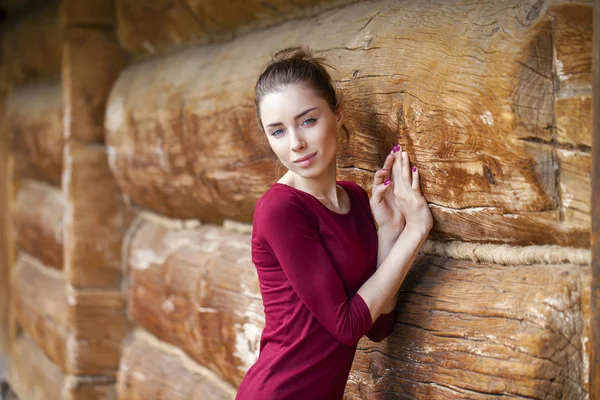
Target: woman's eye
column 309, row 120
column 274, row 133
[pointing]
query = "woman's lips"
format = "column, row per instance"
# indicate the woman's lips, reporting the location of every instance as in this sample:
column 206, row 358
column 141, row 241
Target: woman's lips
column 306, row 162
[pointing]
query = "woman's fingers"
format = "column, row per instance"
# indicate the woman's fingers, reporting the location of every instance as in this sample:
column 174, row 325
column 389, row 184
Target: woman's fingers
column 383, row 174
column 415, row 180
column 406, row 169
column 397, row 168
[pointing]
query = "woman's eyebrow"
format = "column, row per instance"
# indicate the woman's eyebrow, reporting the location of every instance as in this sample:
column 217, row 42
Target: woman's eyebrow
column 296, row 117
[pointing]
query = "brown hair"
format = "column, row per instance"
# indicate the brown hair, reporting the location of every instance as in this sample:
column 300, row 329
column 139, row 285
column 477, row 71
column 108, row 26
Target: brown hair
column 296, row 65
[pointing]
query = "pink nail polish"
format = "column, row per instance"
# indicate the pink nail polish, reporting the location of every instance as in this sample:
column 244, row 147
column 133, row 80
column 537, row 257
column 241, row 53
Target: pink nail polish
column 414, row 169
column 386, row 182
column 384, row 169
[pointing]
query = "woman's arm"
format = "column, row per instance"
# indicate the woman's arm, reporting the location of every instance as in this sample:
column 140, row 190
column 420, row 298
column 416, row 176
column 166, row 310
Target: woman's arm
column 386, row 240
column 386, row 281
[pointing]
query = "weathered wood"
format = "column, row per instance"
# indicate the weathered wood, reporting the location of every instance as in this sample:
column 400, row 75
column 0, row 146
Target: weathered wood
column 31, row 44
column 31, row 374
column 151, row 369
column 184, row 142
column 467, row 330
column 35, row 123
column 89, row 388
column 153, row 26
column 79, row 330
column 595, row 227
column 38, row 222
column 98, row 323
column 7, row 247
column 40, row 306
column 573, row 46
column 91, row 63
column 574, row 121
column 196, row 289
column 95, row 218
column 89, row 12
column 575, row 187
column 35, row 377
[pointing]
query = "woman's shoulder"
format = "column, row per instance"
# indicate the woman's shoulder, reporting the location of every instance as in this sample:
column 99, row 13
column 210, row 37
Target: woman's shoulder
column 277, row 201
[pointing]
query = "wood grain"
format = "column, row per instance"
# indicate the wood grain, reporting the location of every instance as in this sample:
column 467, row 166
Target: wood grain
column 156, row 26
column 196, row 288
column 479, row 331
column 91, row 62
column 473, row 105
column 35, row 124
column 98, row 322
column 40, row 306
column 38, row 215
column 31, row 374
column 35, row 377
column 31, row 45
column 151, row 369
column 96, row 218
column 595, row 226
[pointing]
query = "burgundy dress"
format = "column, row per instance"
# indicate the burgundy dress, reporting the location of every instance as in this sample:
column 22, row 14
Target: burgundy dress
column 310, row 262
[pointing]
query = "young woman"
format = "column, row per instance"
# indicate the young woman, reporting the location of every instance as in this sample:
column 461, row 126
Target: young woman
column 327, row 275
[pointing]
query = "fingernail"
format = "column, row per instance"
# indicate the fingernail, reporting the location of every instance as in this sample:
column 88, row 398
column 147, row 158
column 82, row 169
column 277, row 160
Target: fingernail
column 414, row 169
column 384, row 169
column 386, row 182
column 395, row 149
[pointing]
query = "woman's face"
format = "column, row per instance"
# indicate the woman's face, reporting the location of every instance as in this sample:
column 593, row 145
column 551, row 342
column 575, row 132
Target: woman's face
column 298, row 123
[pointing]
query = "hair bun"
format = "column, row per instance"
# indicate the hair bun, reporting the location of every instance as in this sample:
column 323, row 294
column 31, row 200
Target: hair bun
column 292, row 53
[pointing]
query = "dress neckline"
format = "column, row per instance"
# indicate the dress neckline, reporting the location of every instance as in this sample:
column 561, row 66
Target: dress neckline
column 339, row 183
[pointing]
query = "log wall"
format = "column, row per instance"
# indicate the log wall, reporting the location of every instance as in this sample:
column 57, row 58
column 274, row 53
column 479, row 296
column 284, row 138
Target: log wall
column 156, row 27
column 29, row 56
column 493, row 103
column 184, row 143
column 68, row 217
column 38, row 222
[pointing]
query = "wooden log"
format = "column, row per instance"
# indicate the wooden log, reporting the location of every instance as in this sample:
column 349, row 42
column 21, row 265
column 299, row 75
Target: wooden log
column 31, row 44
column 91, row 63
column 595, row 227
column 91, row 12
column 97, row 323
column 149, row 27
column 7, row 246
column 575, row 187
column 35, row 123
column 479, row 331
column 38, row 222
column 151, row 369
column 80, row 330
column 31, row 374
column 35, row 377
column 196, row 289
column 95, row 218
column 40, row 306
column 89, row 388
column 573, row 48
column 574, row 121
column 184, row 142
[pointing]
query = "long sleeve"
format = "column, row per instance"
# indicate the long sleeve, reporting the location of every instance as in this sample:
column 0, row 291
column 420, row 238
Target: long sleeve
column 383, row 326
column 284, row 228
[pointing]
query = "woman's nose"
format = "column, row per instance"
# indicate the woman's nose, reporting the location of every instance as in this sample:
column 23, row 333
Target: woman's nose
column 296, row 141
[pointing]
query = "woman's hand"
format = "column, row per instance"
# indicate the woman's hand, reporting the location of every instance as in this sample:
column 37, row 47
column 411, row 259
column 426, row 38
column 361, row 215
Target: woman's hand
column 407, row 195
column 383, row 205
